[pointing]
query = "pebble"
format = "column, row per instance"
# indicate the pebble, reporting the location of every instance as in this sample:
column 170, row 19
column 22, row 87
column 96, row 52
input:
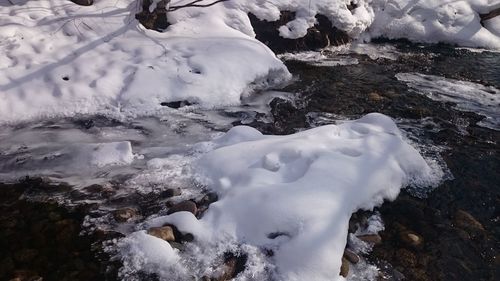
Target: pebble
column 351, row 256
column 165, row 232
column 188, row 206
column 370, row 238
column 344, row 268
column 171, row 192
column 465, row 220
column 125, row 214
column 410, row 238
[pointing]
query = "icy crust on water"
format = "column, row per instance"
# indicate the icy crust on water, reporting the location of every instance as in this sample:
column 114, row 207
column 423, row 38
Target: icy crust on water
column 62, row 59
column 291, row 194
column 468, row 96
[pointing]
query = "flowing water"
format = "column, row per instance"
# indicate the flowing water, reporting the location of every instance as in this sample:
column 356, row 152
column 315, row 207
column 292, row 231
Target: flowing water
column 446, row 101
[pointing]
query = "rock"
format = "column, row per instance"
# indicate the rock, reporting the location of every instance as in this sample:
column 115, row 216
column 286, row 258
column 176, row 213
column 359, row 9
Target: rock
column 208, row 199
column 344, row 268
column 157, row 19
column 177, row 104
column 351, row 256
column 370, row 238
column 410, row 238
column 321, row 35
column 187, row 206
column 171, row 192
column 373, row 96
column 165, row 232
column 83, row 2
column 466, row 221
column 125, row 214
column 233, row 265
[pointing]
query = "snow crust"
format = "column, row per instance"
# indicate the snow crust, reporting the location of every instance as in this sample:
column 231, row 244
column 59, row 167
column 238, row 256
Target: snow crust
column 61, row 59
column 467, row 96
column 294, row 194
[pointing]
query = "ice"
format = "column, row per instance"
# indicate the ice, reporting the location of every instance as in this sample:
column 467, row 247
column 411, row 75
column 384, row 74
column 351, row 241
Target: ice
column 295, row 194
column 468, row 96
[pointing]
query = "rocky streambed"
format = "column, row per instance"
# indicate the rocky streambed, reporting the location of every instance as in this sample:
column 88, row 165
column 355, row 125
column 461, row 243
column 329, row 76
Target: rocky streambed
column 58, row 231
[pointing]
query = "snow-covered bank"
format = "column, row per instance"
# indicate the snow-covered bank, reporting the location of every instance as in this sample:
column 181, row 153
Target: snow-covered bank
column 467, row 96
column 64, row 59
column 61, row 59
column 292, row 195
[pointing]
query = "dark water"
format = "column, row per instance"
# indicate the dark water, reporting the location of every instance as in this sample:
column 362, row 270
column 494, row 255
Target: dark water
column 457, row 223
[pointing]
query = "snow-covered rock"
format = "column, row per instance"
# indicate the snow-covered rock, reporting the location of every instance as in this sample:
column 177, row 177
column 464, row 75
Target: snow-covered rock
column 294, row 194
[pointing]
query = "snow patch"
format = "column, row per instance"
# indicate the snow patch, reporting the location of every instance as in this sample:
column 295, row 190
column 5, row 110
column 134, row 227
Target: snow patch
column 294, row 194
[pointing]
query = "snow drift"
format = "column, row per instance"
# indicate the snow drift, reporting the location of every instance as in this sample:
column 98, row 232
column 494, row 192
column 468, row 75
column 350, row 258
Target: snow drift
column 294, row 194
column 61, row 59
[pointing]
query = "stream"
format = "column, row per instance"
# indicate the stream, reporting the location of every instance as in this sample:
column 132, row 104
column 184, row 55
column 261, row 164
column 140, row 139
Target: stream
column 62, row 203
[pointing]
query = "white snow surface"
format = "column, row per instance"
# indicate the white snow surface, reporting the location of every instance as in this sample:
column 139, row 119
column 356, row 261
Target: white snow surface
column 61, row 59
column 295, row 194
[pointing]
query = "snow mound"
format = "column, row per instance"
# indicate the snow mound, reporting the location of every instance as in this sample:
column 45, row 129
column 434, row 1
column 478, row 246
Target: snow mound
column 294, row 195
column 431, row 21
column 61, row 59
column 467, row 96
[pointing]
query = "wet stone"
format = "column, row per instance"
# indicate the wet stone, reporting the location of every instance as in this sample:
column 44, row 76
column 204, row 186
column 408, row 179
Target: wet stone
column 410, row 238
column 171, row 192
column 125, row 214
column 351, row 256
column 466, row 221
column 165, row 232
column 370, row 238
column 184, row 206
column 82, row 3
column 344, row 268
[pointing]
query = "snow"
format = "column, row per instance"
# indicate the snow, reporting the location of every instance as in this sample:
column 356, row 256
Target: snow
column 468, row 96
column 294, row 194
column 61, row 59
column 431, row 21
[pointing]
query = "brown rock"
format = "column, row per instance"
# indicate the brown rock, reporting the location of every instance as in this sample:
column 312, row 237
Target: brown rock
column 351, row 256
column 410, row 238
column 466, row 221
column 165, row 232
column 375, row 97
column 171, row 192
column 370, row 238
column 344, row 268
column 188, row 206
column 125, row 214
